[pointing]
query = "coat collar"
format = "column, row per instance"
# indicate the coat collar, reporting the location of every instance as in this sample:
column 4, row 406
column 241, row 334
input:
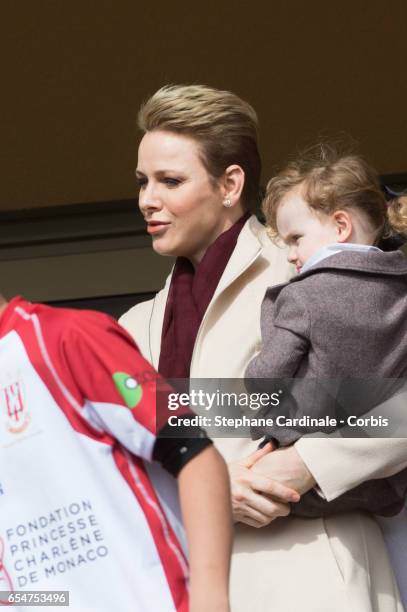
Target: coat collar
column 392, row 263
column 250, row 243
column 156, row 322
column 248, row 247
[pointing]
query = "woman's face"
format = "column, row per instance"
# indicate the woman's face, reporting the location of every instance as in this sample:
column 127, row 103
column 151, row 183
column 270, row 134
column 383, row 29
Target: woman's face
column 181, row 203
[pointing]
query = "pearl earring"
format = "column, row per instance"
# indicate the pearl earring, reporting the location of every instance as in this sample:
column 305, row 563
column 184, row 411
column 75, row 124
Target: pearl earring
column 227, row 203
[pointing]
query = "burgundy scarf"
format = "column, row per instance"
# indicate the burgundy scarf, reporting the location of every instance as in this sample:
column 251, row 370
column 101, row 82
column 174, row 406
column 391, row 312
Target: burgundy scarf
column 188, row 298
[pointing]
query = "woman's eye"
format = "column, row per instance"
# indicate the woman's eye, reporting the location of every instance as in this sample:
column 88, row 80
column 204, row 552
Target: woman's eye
column 171, row 182
column 141, row 183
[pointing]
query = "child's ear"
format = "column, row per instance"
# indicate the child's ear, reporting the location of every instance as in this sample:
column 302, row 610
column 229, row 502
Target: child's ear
column 343, row 223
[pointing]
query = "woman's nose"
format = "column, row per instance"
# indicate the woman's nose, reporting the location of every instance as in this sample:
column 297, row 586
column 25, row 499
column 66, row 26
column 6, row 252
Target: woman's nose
column 148, row 200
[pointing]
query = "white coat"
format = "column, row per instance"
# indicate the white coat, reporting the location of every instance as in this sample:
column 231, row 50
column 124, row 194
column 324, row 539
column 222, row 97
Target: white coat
column 309, row 565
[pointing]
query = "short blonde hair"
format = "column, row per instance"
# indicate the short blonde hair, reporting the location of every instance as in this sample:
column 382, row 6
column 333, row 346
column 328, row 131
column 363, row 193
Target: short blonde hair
column 224, row 125
column 332, row 181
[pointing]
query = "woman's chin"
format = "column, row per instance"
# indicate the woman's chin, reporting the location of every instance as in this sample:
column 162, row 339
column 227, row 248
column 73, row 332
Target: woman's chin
column 163, row 249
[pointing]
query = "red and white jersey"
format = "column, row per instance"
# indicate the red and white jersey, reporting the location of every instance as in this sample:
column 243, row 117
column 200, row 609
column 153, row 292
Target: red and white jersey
column 78, row 511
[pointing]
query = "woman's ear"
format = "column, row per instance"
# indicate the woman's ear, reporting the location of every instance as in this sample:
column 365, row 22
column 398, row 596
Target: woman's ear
column 232, row 184
column 344, row 225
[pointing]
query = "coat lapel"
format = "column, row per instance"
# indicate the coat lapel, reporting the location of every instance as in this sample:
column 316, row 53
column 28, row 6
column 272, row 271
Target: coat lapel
column 248, row 248
column 156, row 322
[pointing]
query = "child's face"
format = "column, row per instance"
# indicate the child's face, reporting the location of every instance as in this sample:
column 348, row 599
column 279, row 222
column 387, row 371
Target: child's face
column 303, row 230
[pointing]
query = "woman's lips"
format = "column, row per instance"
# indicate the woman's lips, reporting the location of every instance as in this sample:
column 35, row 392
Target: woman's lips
column 153, row 227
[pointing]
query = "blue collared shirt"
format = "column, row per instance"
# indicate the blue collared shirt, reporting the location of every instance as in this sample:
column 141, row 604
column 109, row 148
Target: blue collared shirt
column 333, row 248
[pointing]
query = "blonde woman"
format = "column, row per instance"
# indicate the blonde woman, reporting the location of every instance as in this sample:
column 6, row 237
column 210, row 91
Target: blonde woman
column 199, row 170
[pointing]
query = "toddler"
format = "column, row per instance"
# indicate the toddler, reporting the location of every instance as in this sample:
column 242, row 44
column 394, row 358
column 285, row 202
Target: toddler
column 341, row 323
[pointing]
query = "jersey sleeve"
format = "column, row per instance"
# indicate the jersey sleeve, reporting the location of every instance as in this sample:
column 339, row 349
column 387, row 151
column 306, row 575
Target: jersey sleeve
column 118, row 389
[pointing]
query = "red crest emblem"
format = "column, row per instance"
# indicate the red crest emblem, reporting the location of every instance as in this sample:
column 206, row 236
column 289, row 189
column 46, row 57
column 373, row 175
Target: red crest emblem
column 17, row 416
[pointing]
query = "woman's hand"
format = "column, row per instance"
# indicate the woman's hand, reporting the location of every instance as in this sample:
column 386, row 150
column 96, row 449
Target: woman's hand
column 257, row 499
column 286, row 467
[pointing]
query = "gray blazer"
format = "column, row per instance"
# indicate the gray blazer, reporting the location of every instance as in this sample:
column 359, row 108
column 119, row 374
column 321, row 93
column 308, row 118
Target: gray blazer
column 339, row 329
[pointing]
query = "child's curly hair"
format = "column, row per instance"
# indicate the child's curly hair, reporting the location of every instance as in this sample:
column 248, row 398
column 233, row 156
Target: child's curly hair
column 333, row 181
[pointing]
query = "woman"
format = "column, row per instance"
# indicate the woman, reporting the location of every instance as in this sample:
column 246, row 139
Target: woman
column 198, row 171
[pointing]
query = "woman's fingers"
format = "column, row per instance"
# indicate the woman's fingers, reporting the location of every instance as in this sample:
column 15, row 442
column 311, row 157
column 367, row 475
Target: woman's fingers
column 269, row 508
column 258, row 518
column 251, row 522
column 249, row 502
column 273, row 488
column 257, row 455
column 253, row 492
column 257, row 521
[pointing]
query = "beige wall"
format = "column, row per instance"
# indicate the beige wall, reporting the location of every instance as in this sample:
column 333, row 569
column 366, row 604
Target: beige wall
column 74, row 74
